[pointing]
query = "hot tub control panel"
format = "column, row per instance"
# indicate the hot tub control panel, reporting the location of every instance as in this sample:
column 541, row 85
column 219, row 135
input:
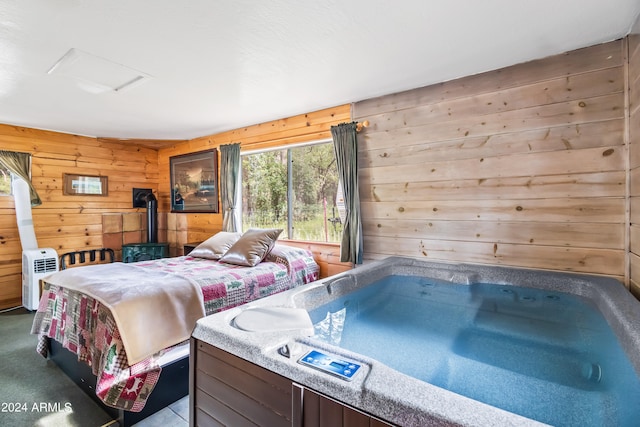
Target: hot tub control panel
column 330, row 364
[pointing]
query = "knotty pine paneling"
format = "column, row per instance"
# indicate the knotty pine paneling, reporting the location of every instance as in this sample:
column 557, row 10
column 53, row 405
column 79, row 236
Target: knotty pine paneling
column 75, row 222
column 67, row 223
column 293, row 130
column 523, row 166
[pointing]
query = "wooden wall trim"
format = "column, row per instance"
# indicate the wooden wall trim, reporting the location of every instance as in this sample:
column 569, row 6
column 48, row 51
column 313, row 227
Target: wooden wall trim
column 632, row 136
column 627, row 218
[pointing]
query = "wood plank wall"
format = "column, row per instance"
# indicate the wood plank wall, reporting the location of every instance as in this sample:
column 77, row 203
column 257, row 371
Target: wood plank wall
column 634, row 159
column 524, row 166
column 67, row 223
column 298, row 129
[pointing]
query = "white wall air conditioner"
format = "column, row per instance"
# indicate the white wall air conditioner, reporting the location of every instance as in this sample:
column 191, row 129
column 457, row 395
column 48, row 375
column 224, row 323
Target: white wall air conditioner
column 36, row 264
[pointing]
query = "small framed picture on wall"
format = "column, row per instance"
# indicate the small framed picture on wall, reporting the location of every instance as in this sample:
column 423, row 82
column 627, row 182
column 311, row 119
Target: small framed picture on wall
column 85, row 185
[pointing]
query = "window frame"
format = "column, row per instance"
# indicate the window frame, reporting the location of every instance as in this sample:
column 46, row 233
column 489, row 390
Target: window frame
column 288, row 148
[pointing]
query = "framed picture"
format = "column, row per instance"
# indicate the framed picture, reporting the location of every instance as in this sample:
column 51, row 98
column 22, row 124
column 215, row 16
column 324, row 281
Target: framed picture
column 85, row 185
column 194, row 182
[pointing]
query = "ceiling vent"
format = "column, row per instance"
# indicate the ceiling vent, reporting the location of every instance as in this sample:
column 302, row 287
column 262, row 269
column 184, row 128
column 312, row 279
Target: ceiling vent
column 95, row 74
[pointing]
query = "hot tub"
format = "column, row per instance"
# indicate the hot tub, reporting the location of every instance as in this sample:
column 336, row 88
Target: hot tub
column 452, row 344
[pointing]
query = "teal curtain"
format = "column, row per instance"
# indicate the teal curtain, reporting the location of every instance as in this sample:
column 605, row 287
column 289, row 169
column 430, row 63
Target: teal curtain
column 346, row 149
column 229, row 169
column 20, row 165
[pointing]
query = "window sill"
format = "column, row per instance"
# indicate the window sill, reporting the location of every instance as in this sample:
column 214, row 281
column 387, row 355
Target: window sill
column 310, row 242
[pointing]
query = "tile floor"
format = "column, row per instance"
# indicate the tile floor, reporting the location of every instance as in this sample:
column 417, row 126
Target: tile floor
column 175, row 415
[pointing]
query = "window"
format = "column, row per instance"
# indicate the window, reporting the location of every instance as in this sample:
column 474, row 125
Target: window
column 5, row 181
column 294, row 189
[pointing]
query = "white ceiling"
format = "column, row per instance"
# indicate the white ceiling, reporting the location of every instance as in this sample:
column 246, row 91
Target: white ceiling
column 221, row 65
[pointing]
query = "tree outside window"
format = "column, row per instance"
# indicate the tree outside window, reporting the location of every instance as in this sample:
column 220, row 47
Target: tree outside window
column 294, row 189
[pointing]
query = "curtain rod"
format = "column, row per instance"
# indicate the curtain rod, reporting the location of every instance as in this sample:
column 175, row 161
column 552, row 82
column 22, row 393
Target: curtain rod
column 362, row 125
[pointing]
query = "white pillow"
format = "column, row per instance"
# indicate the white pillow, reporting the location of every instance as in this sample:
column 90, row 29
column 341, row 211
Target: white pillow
column 215, row 246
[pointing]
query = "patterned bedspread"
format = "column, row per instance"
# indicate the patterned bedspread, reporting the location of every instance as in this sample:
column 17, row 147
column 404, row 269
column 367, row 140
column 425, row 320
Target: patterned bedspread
column 87, row 328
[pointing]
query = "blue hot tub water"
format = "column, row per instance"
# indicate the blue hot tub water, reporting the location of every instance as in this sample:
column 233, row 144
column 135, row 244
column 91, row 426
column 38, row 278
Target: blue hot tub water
column 546, row 355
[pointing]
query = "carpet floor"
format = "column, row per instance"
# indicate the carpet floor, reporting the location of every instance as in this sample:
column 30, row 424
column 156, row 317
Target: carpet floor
column 33, row 390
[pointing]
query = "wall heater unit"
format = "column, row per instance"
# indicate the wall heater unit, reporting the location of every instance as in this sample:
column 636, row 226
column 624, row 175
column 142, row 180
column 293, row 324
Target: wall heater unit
column 36, row 264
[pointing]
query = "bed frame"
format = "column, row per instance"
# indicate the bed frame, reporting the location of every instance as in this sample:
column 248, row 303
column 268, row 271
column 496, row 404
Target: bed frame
column 172, row 385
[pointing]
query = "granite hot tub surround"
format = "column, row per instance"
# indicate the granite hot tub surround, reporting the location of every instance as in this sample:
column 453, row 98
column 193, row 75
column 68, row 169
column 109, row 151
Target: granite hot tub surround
column 411, row 343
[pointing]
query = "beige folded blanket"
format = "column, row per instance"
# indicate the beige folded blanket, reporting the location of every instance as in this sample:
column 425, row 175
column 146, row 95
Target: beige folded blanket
column 153, row 310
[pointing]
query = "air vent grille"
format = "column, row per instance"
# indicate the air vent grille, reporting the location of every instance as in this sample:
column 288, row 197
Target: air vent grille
column 44, row 265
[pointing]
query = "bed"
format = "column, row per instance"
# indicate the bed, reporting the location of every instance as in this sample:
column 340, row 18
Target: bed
column 76, row 319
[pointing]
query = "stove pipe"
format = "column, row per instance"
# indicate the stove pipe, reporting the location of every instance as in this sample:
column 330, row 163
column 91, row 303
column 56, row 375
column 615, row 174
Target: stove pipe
column 152, row 218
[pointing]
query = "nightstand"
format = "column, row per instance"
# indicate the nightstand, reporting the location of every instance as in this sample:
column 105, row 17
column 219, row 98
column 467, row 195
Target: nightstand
column 188, row 247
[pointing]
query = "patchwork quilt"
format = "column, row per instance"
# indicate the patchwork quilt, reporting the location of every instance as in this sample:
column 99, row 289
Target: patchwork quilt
column 87, row 328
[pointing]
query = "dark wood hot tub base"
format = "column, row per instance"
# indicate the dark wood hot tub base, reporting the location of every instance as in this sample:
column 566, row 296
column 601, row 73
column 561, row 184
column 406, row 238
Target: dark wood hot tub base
column 228, row 390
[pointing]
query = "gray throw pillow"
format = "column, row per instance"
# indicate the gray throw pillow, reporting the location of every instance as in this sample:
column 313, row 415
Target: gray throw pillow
column 215, row 246
column 252, row 247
